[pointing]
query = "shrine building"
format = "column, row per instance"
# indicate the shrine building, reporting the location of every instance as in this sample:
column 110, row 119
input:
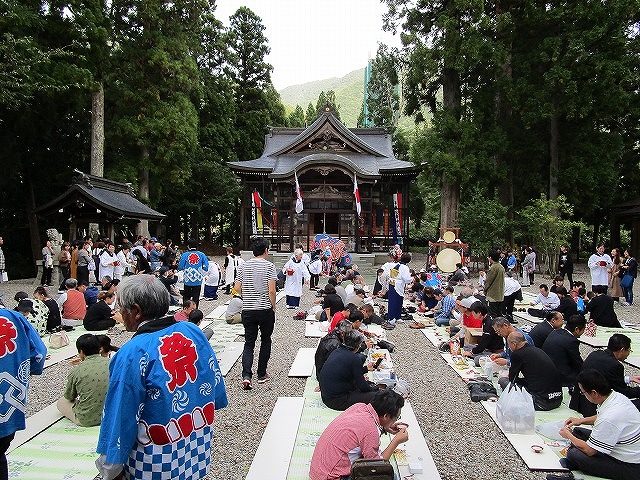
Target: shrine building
column 326, row 158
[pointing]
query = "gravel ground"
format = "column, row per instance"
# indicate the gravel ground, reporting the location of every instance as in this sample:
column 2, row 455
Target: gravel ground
column 450, row 422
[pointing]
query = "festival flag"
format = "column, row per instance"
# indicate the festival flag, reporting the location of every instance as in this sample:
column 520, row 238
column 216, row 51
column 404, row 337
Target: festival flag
column 254, row 226
column 299, row 206
column 397, row 218
column 257, row 201
column 356, row 193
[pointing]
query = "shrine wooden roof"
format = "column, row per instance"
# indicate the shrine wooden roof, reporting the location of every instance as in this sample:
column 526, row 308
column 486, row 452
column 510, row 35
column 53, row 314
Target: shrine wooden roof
column 365, row 151
column 95, row 198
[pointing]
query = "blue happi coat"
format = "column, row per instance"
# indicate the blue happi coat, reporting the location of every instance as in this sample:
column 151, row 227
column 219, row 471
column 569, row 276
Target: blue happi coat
column 164, row 388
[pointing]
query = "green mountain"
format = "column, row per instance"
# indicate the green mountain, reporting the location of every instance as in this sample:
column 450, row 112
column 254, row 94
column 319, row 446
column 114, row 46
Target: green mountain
column 349, row 95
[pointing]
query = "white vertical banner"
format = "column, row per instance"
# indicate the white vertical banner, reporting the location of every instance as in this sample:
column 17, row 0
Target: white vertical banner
column 356, row 194
column 254, row 226
column 299, row 205
column 397, row 205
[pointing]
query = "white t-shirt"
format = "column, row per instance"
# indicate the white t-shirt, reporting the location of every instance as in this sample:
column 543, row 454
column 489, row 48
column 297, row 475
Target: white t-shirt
column 616, row 431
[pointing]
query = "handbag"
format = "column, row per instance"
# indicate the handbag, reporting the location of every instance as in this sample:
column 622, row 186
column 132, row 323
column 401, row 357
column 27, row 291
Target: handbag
column 371, row 469
column 626, row 281
column 91, row 265
column 5, row 276
column 58, row 339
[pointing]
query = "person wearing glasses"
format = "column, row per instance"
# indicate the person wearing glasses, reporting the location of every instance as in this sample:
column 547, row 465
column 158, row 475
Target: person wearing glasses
column 607, row 362
column 612, row 448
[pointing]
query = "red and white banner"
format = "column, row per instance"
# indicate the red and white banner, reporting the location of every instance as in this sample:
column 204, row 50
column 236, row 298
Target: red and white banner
column 257, row 202
column 254, row 226
column 397, row 212
column 356, row 194
column 299, row 205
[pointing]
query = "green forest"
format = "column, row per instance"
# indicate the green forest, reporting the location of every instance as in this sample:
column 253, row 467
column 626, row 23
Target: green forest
column 523, row 113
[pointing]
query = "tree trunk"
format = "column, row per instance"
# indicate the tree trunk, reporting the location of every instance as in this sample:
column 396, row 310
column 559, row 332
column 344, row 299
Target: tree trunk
column 34, row 232
column 449, row 202
column 554, row 160
column 143, row 189
column 451, row 100
column 97, row 132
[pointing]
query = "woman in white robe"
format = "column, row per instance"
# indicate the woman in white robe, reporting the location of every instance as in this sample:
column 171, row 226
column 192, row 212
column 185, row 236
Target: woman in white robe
column 297, row 273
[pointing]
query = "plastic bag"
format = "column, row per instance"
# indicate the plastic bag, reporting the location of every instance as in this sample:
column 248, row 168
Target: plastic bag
column 514, row 411
column 551, row 430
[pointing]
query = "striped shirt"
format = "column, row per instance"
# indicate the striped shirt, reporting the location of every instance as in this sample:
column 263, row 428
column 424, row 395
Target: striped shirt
column 616, row 431
column 254, row 276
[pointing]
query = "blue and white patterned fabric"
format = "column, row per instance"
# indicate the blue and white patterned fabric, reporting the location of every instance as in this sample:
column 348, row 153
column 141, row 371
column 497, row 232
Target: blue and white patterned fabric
column 164, row 388
column 22, row 353
column 195, row 264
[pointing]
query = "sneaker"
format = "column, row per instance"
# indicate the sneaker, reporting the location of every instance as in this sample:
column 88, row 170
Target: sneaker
column 264, row 379
column 624, row 303
column 246, row 384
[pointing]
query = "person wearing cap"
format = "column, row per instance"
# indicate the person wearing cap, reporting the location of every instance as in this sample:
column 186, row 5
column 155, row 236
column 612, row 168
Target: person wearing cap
column 23, row 355
column 36, row 314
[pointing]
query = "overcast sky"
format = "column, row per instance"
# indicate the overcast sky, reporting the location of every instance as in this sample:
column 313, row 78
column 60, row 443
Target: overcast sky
column 313, row 40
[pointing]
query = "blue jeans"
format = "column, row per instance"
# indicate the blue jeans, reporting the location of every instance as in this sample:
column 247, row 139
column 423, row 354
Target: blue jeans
column 254, row 320
column 628, row 293
column 442, row 321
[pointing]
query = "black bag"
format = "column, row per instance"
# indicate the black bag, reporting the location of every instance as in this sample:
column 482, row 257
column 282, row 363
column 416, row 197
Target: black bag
column 482, row 391
column 280, row 281
column 386, row 345
column 371, row 469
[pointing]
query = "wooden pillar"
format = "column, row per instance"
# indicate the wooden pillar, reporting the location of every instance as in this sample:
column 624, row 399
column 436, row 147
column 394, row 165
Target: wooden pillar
column 635, row 237
column 614, row 231
column 73, row 230
column 110, row 231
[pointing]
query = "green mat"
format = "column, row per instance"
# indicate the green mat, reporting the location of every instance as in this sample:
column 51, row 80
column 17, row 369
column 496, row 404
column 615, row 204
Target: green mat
column 316, row 416
column 64, row 450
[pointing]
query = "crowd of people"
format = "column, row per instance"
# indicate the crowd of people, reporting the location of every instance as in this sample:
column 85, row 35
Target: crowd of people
column 164, row 407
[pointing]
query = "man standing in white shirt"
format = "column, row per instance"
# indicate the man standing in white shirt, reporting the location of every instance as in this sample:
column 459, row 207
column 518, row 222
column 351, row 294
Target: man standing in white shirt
column 599, row 264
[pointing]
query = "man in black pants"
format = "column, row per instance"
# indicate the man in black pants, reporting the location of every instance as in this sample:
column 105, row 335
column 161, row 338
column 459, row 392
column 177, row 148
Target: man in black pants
column 256, row 283
column 565, row 265
column 612, row 448
column 539, row 374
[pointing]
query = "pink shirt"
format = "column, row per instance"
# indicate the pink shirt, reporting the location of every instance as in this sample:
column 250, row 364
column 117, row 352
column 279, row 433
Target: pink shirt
column 353, row 434
column 181, row 316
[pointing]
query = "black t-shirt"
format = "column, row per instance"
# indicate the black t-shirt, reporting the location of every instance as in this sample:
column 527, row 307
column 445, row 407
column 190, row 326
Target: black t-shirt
column 334, row 303
column 490, row 340
column 540, row 374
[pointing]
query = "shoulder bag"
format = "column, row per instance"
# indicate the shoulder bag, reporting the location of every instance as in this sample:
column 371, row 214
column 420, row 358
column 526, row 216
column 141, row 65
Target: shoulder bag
column 371, row 469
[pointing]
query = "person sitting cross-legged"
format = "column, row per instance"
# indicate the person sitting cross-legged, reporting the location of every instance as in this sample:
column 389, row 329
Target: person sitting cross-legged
column 443, row 316
column 541, row 331
column 612, row 448
column 87, row 384
column 342, row 381
column 547, row 299
column 329, row 343
column 355, row 434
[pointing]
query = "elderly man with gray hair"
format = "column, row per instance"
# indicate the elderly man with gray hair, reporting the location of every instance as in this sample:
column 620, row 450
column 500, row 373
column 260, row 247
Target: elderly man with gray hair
column 72, row 304
column 540, row 376
column 164, row 388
